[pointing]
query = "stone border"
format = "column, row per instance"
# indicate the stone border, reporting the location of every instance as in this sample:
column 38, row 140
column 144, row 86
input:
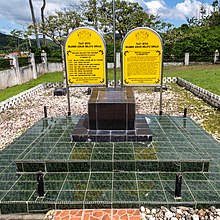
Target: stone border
column 14, row 100
column 207, row 96
column 170, row 80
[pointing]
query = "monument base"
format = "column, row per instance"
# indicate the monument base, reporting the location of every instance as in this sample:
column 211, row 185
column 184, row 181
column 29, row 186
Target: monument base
column 141, row 132
column 111, row 109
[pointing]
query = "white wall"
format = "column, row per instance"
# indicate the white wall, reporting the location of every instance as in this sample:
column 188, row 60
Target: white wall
column 16, row 76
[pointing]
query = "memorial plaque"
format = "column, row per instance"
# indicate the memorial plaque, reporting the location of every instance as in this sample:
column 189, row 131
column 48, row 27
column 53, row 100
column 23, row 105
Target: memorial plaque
column 85, row 58
column 142, row 58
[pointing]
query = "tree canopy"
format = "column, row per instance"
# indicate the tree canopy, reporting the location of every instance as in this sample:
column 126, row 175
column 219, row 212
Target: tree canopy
column 99, row 14
column 128, row 15
column 200, row 37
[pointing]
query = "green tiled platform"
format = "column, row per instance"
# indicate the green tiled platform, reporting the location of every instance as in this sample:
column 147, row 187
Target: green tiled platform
column 110, row 175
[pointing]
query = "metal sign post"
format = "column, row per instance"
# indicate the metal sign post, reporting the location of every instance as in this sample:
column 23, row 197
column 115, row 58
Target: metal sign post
column 115, row 83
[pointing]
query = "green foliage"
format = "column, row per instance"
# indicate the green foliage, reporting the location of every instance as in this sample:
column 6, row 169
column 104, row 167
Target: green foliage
column 9, row 44
column 58, row 25
column 205, row 76
column 48, row 77
column 4, row 64
column 199, row 37
column 198, row 41
column 23, row 61
column 110, row 49
column 128, row 15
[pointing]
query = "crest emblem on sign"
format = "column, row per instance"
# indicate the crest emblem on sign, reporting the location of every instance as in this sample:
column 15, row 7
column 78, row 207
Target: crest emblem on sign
column 142, row 36
column 84, row 35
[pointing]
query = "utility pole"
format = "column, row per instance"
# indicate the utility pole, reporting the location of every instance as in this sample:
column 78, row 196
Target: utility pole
column 113, row 9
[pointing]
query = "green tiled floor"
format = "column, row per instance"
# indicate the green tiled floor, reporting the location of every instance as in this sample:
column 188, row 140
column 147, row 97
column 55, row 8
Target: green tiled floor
column 174, row 148
column 110, row 175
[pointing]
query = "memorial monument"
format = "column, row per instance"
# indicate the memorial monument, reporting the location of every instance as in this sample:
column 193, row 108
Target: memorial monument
column 111, row 161
column 111, row 111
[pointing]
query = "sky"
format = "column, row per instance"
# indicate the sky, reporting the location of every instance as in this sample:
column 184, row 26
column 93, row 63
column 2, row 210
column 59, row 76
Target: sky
column 15, row 14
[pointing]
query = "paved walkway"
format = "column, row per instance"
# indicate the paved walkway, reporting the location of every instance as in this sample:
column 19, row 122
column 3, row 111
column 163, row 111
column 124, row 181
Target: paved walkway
column 98, row 214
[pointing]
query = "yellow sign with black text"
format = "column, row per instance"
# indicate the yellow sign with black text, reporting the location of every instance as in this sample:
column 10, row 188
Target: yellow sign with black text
column 85, row 58
column 142, row 53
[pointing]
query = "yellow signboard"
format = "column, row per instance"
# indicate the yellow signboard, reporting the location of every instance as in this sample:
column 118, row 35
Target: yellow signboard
column 85, row 57
column 142, row 58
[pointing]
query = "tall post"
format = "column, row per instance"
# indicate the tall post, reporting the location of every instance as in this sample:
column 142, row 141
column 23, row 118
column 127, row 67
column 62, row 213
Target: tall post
column 114, row 37
column 216, row 56
column 15, row 65
column 66, row 82
column 44, row 60
column 161, row 91
column 186, row 60
column 40, row 184
column 33, row 64
column 178, row 186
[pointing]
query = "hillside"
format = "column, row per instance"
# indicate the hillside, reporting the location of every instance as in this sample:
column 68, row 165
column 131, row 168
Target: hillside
column 9, row 43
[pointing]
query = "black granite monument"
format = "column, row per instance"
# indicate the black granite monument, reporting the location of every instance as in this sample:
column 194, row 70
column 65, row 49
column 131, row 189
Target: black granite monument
column 111, row 118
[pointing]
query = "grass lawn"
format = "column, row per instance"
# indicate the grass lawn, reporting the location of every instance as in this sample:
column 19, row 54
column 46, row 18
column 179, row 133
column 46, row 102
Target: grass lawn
column 205, row 76
column 48, row 77
column 111, row 74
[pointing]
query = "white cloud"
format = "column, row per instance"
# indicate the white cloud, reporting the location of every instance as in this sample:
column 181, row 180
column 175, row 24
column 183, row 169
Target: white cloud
column 17, row 12
column 156, row 6
column 187, row 8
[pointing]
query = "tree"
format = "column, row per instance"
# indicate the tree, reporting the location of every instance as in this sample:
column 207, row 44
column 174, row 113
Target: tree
column 193, row 21
column 203, row 11
column 17, row 34
column 215, row 5
column 34, row 23
column 89, row 12
column 129, row 15
column 57, row 27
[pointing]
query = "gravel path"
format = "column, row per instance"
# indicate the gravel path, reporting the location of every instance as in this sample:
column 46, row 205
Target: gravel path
column 15, row 121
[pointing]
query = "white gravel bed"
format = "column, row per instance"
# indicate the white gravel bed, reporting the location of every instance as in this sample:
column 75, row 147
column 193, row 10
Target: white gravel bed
column 14, row 121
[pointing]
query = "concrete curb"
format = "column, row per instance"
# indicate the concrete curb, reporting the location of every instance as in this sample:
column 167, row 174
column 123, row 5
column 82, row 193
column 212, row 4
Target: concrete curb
column 207, row 96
